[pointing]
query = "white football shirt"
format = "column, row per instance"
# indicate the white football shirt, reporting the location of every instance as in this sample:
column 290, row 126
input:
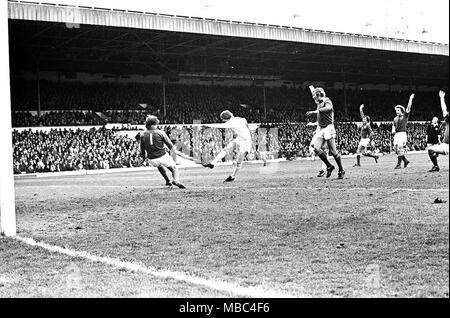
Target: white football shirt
column 240, row 127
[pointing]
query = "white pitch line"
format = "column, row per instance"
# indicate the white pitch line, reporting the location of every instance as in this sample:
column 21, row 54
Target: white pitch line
column 253, row 292
column 235, row 187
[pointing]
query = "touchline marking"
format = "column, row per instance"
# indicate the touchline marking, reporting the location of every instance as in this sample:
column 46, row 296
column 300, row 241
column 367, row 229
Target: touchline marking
column 228, row 187
column 255, row 292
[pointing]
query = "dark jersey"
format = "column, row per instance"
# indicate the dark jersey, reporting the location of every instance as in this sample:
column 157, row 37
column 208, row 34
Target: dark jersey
column 325, row 116
column 152, row 144
column 366, row 131
column 433, row 131
column 446, row 137
column 400, row 123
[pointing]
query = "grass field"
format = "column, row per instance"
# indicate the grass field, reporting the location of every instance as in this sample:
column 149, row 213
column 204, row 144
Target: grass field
column 377, row 233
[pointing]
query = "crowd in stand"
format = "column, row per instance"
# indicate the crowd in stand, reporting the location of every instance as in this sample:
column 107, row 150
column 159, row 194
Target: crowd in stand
column 68, row 149
column 55, row 118
column 184, row 104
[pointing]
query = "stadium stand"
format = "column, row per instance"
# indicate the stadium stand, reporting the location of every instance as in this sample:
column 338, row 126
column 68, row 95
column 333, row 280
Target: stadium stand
column 120, row 103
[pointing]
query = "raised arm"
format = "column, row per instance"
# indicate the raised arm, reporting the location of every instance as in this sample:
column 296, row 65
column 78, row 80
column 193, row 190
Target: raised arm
column 408, row 108
column 361, row 111
column 443, row 105
column 311, row 88
column 167, row 141
column 142, row 149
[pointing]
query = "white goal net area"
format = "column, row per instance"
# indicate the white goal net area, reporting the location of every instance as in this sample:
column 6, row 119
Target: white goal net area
column 7, row 205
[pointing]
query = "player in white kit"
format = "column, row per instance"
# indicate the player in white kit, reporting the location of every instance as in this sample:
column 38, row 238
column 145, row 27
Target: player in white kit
column 243, row 142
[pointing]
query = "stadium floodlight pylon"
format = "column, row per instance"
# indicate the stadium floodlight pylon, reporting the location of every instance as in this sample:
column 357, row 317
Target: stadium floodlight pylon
column 7, row 204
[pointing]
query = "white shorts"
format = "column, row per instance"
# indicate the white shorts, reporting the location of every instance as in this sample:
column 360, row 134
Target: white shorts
column 431, row 145
column 400, row 139
column 165, row 161
column 326, row 133
column 314, row 138
column 242, row 145
column 364, row 142
column 440, row 149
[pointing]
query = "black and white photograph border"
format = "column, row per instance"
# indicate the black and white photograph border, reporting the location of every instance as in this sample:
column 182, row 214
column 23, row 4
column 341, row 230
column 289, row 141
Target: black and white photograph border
column 262, row 153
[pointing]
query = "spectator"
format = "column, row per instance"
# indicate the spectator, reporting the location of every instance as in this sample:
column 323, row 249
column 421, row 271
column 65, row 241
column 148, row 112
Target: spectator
column 120, row 103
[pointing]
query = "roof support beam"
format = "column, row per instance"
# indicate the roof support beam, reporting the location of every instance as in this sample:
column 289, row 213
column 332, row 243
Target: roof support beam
column 116, row 18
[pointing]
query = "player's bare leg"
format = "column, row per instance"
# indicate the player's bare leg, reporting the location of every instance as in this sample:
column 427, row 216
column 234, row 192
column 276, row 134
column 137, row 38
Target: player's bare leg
column 163, row 172
column 318, row 149
column 364, row 152
column 324, row 166
column 332, row 149
column 264, row 159
column 176, row 177
column 401, row 157
column 368, row 154
column 237, row 166
column 322, row 170
column 217, row 159
column 312, row 154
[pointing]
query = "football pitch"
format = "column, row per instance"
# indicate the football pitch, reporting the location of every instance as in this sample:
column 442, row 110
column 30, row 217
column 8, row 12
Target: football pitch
column 275, row 231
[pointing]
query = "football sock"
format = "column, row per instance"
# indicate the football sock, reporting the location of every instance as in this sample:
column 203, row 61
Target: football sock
column 175, row 174
column 358, row 159
column 236, row 169
column 338, row 161
column 324, row 158
column 433, row 159
column 399, row 160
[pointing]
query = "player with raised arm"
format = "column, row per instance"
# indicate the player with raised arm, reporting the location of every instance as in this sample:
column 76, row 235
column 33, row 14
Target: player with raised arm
column 326, row 133
column 243, row 142
column 152, row 144
column 399, row 131
column 366, row 134
column 440, row 149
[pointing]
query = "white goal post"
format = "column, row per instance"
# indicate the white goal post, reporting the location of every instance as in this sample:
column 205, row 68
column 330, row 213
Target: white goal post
column 7, row 198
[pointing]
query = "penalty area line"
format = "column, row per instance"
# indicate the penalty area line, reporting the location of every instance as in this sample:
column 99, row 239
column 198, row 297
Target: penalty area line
column 233, row 288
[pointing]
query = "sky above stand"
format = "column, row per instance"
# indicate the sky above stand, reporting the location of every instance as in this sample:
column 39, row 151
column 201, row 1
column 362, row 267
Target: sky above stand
column 407, row 19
